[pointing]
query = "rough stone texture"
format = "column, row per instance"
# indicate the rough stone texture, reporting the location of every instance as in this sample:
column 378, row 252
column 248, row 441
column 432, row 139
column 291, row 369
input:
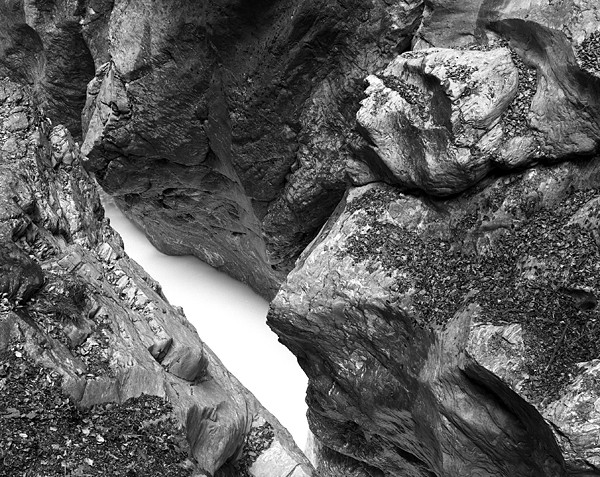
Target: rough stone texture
column 276, row 462
column 79, row 306
column 439, row 334
column 577, row 414
column 440, row 120
column 452, row 23
column 427, row 298
column 42, row 42
column 242, row 119
column 236, row 117
column 434, row 116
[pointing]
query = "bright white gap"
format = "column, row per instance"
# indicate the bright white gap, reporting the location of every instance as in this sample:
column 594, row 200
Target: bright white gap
column 231, row 319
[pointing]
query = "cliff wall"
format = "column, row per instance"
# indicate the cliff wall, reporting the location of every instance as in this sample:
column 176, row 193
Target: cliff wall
column 420, row 178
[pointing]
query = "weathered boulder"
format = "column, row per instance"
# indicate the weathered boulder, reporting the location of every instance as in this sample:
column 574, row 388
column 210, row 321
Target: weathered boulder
column 432, row 300
column 440, row 120
column 79, row 308
column 434, row 116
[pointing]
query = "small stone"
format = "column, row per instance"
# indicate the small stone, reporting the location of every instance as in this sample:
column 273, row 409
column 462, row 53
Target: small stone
column 16, row 122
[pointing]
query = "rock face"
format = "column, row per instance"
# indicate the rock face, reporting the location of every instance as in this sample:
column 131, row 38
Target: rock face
column 243, row 119
column 429, row 299
column 236, row 117
column 446, row 313
column 75, row 304
column 434, row 116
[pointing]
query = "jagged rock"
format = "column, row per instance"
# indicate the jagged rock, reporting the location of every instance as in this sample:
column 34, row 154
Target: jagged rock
column 440, row 120
column 93, row 317
column 428, row 297
column 434, row 116
column 223, row 130
column 452, row 23
column 501, row 350
column 577, row 415
column 20, row 276
column 276, row 462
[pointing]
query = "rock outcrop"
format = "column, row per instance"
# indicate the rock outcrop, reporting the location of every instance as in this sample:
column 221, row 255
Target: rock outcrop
column 236, row 117
column 75, row 305
column 453, row 337
column 427, row 325
column 446, row 312
column 244, row 121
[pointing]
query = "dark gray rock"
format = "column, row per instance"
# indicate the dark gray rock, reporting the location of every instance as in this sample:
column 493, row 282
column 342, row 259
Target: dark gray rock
column 209, row 118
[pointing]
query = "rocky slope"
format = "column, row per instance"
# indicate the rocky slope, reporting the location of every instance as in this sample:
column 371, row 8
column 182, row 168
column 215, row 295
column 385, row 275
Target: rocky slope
column 446, row 311
column 459, row 336
column 80, row 320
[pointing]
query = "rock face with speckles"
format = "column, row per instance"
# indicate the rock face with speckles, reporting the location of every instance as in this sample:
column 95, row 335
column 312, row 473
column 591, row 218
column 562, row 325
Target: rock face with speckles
column 456, row 315
column 435, row 116
column 441, row 119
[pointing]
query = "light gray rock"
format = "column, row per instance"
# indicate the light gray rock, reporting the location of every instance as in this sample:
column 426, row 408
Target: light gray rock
column 577, row 414
column 434, row 116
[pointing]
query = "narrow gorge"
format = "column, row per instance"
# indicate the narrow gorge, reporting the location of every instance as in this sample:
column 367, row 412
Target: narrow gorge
column 414, row 186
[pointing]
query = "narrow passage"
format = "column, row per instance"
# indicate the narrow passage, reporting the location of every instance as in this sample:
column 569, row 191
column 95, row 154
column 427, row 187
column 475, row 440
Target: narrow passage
column 231, row 319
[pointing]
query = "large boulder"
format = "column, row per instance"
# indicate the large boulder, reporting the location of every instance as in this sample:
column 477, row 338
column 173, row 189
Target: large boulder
column 440, row 120
column 435, row 116
column 445, row 337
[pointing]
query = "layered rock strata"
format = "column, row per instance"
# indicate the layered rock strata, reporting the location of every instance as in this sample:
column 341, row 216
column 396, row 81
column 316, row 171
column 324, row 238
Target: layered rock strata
column 76, row 305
